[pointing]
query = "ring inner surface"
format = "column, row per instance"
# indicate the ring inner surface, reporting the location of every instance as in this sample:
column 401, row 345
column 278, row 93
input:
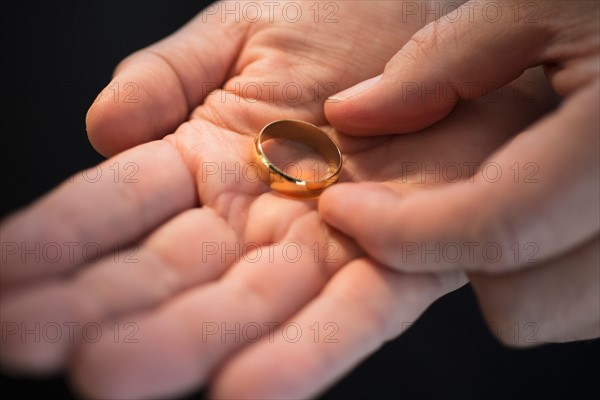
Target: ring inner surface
column 300, row 151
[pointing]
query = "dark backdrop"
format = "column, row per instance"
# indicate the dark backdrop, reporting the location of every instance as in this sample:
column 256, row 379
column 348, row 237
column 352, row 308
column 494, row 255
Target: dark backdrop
column 56, row 56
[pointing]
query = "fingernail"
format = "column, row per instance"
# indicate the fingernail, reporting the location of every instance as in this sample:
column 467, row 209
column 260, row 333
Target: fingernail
column 354, row 90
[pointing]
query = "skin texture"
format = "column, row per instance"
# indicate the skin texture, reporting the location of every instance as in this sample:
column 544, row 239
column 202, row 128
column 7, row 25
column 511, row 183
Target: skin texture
column 211, row 244
column 554, row 215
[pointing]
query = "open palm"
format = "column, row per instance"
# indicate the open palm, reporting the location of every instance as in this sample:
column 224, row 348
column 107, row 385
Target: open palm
column 232, row 283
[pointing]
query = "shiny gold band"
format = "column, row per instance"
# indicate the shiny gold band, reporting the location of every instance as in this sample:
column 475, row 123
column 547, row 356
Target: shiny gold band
column 305, row 133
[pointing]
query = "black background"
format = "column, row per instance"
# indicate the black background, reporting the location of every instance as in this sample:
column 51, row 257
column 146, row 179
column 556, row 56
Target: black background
column 56, row 57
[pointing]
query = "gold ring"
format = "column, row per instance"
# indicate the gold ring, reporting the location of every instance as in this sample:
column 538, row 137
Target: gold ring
column 309, row 135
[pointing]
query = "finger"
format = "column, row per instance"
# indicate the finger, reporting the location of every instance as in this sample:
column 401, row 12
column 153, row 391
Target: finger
column 129, row 279
column 154, row 89
column 533, row 200
column 444, row 62
column 95, row 211
column 557, row 302
column 182, row 343
column 363, row 306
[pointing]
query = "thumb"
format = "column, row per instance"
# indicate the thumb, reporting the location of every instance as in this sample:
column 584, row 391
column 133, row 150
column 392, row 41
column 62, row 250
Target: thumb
column 154, row 89
column 463, row 55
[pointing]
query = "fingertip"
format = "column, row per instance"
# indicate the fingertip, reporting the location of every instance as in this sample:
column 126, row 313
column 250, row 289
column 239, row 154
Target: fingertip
column 238, row 380
column 32, row 341
column 352, row 117
column 154, row 362
column 250, row 374
column 110, row 128
column 334, row 201
column 384, row 108
column 343, row 204
column 349, row 110
column 143, row 102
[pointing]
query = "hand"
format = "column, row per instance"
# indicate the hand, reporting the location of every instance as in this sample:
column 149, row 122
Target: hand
column 541, row 201
column 179, row 289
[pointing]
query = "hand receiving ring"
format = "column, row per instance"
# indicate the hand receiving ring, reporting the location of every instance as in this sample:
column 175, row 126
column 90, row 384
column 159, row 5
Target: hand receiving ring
column 304, row 133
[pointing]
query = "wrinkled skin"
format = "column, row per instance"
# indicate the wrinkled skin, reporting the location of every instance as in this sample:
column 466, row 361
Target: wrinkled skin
column 180, row 288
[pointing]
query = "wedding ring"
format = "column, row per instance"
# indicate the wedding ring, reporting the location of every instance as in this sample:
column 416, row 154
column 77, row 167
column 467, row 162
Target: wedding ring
column 303, row 133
